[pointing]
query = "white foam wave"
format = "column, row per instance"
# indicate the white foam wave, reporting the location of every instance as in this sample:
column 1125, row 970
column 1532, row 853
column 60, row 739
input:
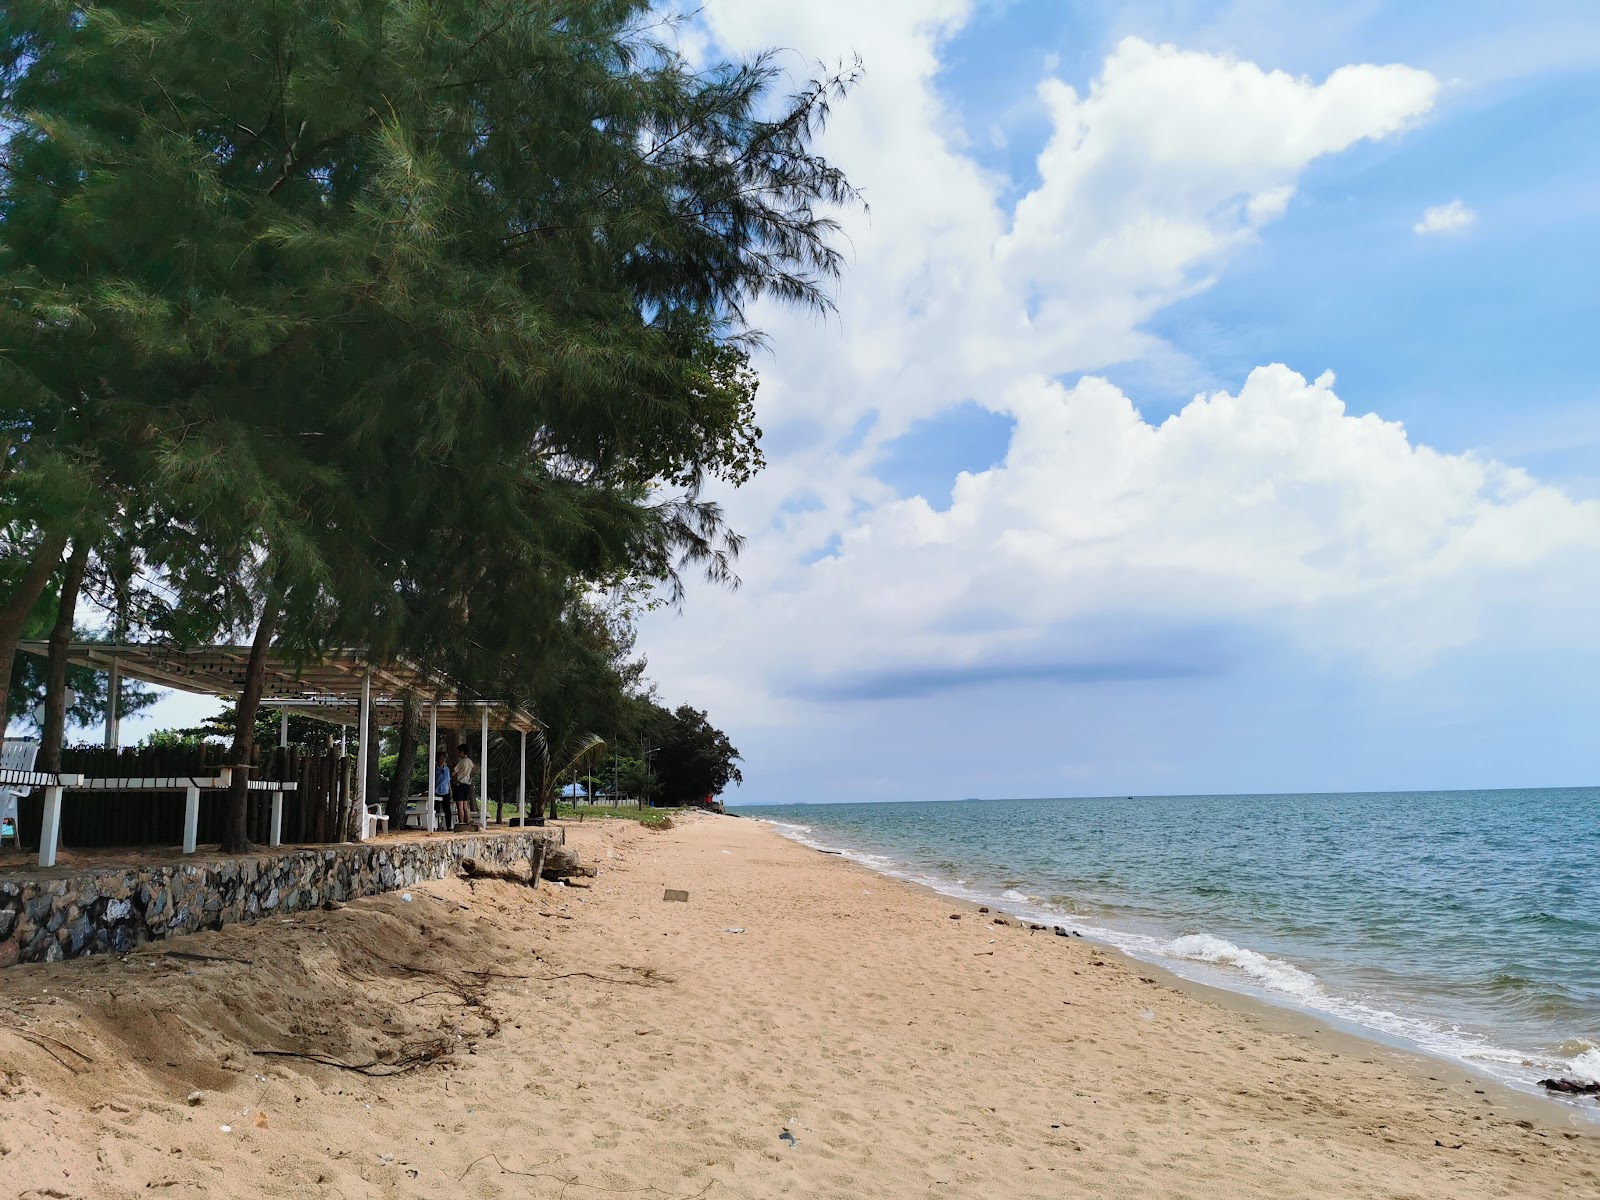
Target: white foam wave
column 1271, row 973
column 1586, row 1066
column 787, row 828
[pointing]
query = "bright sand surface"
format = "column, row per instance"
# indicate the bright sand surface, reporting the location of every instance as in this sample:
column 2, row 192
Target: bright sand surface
column 606, row 1042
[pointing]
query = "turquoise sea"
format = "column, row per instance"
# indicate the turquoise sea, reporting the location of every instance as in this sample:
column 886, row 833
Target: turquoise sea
column 1464, row 924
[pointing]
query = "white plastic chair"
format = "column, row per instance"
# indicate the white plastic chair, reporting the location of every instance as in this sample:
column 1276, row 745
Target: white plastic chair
column 375, row 817
column 18, row 754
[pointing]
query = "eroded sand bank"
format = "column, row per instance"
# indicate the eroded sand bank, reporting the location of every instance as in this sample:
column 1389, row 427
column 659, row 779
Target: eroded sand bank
column 606, row 1042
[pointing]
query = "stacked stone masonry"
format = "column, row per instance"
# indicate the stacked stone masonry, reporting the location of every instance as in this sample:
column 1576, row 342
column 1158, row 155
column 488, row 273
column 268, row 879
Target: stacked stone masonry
column 114, row 909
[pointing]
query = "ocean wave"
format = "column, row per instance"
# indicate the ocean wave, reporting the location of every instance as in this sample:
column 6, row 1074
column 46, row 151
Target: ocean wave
column 1549, row 918
column 1271, row 973
column 1510, row 981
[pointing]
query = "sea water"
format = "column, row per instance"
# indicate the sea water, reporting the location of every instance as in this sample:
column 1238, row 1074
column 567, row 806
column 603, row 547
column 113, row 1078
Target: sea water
column 1464, row 924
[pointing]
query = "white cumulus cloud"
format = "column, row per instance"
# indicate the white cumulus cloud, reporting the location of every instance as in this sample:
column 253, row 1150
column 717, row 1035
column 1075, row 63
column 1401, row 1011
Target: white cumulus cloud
column 1104, row 546
column 1454, row 217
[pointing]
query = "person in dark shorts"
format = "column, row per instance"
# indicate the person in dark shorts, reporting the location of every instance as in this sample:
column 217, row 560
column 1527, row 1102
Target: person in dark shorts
column 461, row 789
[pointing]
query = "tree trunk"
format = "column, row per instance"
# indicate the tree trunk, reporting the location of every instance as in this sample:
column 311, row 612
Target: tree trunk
column 400, row 785
column 55, row 696
column 16, row 607
column 544, row 805
column 236, row 839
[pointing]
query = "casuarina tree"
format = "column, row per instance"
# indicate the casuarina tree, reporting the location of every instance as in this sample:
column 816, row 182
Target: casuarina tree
column 410, row 313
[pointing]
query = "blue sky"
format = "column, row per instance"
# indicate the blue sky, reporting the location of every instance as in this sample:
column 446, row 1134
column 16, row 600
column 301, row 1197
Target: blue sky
column 1439, row 333
column 1002, row 549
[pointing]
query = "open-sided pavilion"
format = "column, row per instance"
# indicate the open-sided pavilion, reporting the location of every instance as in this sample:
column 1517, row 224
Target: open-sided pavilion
column 340, row 688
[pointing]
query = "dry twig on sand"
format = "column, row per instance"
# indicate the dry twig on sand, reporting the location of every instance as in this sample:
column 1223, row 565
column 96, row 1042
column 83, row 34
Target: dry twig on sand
column 574, row 1181
column 648, row 976
column 39, row 1040
column 205, row 957
column 411, row 1061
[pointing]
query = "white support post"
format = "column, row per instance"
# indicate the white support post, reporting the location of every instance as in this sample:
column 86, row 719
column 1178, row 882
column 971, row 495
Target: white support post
column 114, row 686
column 50, row 831
column 361, row 757
column 276, row 835
column 483, row 776
column 433, row 767
column 191, row 818
column 522, row 784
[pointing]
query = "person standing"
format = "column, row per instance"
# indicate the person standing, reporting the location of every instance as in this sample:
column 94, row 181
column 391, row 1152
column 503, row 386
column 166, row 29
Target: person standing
column 443, row 789
column 461, row 777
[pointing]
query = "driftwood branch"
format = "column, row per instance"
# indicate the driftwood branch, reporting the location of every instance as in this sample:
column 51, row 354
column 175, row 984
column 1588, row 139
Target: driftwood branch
column 551, row 862
column 561, row 862
column 538, row 864
column 471, row 868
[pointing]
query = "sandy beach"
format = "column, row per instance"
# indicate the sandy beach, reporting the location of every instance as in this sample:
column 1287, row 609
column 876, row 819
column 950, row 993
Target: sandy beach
column 798, row 1027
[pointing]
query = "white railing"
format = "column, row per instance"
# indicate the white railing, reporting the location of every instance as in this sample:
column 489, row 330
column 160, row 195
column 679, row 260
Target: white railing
column 55, row 785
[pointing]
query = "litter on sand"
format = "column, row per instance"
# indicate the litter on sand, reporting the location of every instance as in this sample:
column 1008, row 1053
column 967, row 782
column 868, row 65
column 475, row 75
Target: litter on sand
column 786, row 1136
column 734, row 929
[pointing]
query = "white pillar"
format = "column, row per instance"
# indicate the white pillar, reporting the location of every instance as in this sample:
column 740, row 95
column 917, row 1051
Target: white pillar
column 483, row 776
column 275, row 838
column 522, row 783
column 113, row 687
column 433, row 765
column 191, row 818
column 362, row 749
column 50, row 831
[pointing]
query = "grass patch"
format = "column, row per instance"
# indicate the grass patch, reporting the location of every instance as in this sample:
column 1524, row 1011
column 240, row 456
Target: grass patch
column 650, row 818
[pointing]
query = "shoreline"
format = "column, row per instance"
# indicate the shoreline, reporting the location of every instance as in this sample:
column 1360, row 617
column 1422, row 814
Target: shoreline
column 798, row 1026
column 1331, row 1035
column 1253, row 998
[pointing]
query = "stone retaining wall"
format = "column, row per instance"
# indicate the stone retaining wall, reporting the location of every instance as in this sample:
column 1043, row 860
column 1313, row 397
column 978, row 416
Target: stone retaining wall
column 114, row 909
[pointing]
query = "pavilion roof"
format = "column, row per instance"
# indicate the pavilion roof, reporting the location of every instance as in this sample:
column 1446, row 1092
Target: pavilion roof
column 328, row 688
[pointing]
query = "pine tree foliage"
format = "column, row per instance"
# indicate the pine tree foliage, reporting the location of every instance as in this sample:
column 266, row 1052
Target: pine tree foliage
column 387, row 323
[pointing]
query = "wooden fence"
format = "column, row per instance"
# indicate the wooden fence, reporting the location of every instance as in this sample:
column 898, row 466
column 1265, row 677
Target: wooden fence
column 318, row 811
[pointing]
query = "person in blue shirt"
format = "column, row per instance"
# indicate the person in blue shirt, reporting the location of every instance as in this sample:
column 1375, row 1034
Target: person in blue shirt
column 441, row 790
